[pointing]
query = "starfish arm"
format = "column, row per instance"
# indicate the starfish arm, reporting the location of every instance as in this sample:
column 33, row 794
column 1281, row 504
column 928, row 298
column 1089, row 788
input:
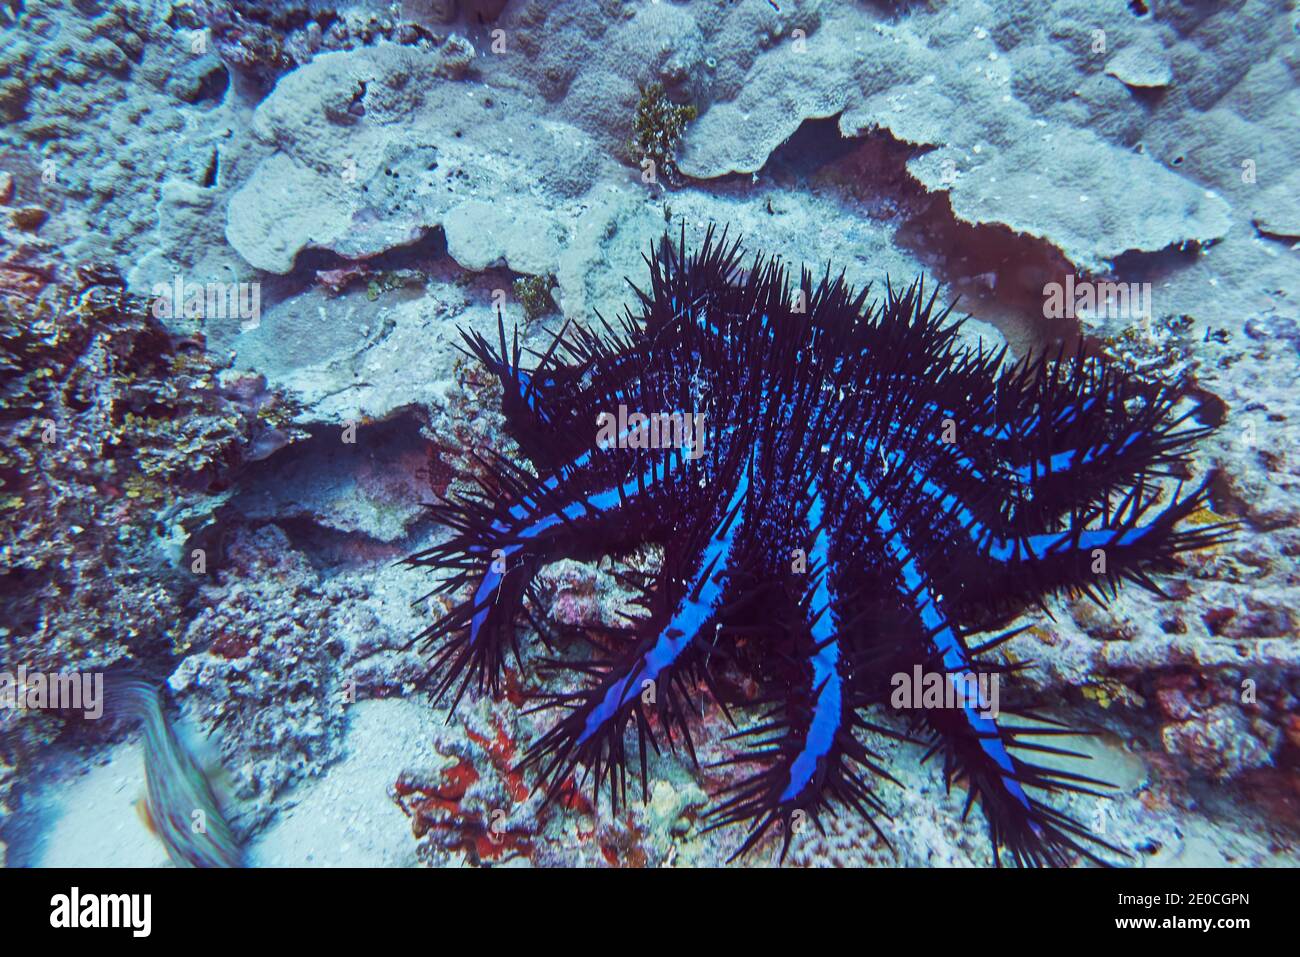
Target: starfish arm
column 997, row 562
column 805, row 745
column 1093, row 554
column 498, row 548
column 1083, row 433
column 592, row 733
column 975, row 746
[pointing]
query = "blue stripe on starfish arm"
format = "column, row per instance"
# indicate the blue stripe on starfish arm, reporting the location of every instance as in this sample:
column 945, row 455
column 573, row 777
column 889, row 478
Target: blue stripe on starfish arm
column 527, row 506
column 1024, row 430
column 1032, row 548
column 959, row 459
column 1057, row 544
column 827, row 712
column 953, row 653
column 531, row 395
column 1027, row 427
column 924, row 482
column 693, row 610
column 514, row 540
column 1061, row 462
column 1064, row 417
column 523, row 379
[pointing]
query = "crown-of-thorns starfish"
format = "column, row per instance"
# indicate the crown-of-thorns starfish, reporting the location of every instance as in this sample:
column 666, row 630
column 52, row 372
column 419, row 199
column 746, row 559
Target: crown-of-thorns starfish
column 865, row 497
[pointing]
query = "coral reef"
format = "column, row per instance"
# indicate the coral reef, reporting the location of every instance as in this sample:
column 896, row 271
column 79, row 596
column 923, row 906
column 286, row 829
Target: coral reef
column 263, row 42
column 386, row 172
column 981, row 129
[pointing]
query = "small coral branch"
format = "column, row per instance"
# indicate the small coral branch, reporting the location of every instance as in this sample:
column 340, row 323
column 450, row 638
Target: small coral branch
column 659, row 126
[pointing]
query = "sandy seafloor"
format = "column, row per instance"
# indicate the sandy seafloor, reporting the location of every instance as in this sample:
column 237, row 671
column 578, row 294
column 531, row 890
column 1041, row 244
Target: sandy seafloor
column 380, row 172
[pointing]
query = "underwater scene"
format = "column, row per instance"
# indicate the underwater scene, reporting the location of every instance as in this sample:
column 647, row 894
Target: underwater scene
column 633, row 433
